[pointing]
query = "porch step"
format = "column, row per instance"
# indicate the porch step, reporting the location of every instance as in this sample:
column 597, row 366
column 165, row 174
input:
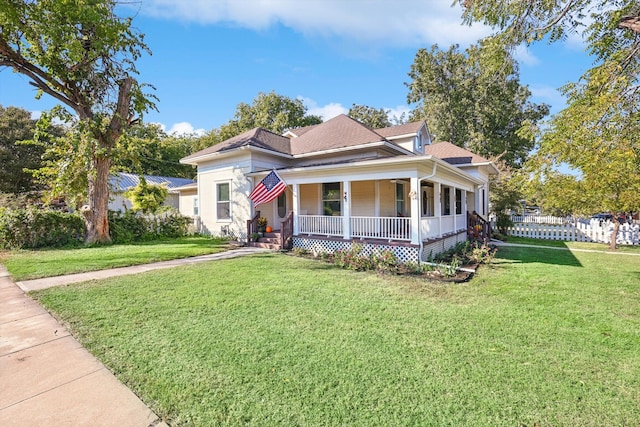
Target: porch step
column 268, row 241
column 259, row 244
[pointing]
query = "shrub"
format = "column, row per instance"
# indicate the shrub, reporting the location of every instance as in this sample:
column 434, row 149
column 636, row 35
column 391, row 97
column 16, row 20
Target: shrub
column 385, row 262
column 131, row 226
column 38, row 228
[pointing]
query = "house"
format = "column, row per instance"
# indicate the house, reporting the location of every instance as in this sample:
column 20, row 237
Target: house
column 385, row 188
column 120, row 183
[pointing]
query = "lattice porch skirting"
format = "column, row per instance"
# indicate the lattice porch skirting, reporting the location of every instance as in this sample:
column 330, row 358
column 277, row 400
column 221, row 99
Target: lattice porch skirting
column 405, row 252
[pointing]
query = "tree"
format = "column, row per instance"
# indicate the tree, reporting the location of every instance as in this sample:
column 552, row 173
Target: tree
column 17, row 158
column 374, row 118
column 271, row 111
column 83, row 55
column 474, row 99
column 151, row 151
column 598, row 133
column 147, row 198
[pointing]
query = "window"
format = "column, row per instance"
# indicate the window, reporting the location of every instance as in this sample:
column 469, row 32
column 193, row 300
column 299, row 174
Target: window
column 282, row 205
column 446, row 201
column 195, row 207
column 223, row 206
column 427, row 200
column 458, row 201
column 331, row 203
column 400, row 202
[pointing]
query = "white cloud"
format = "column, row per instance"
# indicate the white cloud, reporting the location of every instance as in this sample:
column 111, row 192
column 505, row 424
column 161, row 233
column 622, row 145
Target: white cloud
column 181, row 129
column 397, row 112
column 524, row 55
column 548, row 95
column 386, row 23
column 326, row 112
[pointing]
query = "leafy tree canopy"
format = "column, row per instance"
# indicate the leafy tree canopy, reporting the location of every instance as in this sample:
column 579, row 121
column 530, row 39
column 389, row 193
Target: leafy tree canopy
column 17, row 157
column 271, row 111
column 82, row 54
column 147, row 198
column 150, row 151
column 474, row 99
column 598, row 133
column 372, row 117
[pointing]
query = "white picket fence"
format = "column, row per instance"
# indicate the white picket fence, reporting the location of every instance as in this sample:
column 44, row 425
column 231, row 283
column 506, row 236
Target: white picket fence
column 539, row 219
column 578, row 231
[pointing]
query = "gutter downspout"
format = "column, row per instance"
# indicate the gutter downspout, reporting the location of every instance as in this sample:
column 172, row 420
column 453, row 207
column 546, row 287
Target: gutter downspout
column 433, row 173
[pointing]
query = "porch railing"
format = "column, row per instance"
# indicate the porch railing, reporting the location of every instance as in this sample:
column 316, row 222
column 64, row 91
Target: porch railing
column 381, row 227
column 252, row 225
column 286, row 231
column 320, row 224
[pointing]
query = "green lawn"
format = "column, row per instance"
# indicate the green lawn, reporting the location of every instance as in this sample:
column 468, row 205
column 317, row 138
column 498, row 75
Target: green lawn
column 603, row 247
column 544, row 337
column 34, row 264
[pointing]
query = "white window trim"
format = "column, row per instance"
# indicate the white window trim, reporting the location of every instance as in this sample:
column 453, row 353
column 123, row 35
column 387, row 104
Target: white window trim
column 230, row 219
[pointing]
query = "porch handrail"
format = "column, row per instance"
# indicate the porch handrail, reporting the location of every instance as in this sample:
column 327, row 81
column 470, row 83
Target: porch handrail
column 478, row 228
column 252, row 226
column 286, row 231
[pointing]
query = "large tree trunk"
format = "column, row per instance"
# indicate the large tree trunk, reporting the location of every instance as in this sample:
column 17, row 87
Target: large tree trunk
column 96, row 214
column 614, row 233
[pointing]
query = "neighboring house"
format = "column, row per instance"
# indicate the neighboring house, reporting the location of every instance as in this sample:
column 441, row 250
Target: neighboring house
column 346, row 183
column 120, row 183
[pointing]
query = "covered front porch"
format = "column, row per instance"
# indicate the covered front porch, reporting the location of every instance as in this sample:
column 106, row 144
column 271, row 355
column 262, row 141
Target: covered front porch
column 398, row 211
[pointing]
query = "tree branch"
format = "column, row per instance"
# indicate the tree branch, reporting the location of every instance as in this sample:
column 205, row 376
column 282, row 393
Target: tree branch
column 11, row 58
column 557, row 19
column 630, row 22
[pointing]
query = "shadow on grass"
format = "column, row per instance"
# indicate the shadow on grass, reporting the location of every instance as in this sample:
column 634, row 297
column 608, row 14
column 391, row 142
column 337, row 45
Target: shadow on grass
column 534, row 254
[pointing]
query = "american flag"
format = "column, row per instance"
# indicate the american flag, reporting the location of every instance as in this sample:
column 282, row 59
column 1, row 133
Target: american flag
column 268, row 189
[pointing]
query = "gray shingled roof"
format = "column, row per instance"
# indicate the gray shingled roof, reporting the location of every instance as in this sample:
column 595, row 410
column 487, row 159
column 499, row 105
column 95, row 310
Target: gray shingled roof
column 404, row 129
column 453, row 154
column 339, row 132
column 121, row 181
column 256, row 137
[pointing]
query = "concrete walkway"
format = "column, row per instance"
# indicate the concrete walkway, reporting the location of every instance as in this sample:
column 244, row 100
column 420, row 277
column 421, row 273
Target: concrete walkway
column 47, row 378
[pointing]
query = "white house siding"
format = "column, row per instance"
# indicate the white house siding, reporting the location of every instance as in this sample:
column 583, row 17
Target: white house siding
column 363, row 198
column 310, row 199
column 239, row 187
column 186, row 203
column 117, row 202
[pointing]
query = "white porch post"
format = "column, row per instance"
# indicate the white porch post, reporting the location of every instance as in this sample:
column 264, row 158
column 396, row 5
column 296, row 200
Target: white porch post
column 437, row 199
column 452, row 206
column 346, row 216
column 414, row 199
column 464, row 208
column 295, row 189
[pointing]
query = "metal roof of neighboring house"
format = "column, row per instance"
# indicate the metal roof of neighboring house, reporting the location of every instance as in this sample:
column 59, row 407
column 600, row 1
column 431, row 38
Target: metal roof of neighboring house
column 121, row 181
column 453, row 154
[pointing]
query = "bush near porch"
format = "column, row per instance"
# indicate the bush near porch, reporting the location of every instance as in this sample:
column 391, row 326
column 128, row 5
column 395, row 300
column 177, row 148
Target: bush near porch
column 544, row 337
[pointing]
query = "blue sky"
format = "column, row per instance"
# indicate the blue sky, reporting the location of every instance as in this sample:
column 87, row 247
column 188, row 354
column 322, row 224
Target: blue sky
column 208, row 56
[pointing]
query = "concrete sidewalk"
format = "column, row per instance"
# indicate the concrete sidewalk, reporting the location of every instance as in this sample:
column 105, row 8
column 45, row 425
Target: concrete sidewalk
column 47, row 378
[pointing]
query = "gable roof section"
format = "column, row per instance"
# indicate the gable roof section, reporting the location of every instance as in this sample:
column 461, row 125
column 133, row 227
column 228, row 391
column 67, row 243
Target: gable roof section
column 453, row 154
column 299, row 131
column 399, row 130
column 256, row 137
column 339, row 132
column 121, row 181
